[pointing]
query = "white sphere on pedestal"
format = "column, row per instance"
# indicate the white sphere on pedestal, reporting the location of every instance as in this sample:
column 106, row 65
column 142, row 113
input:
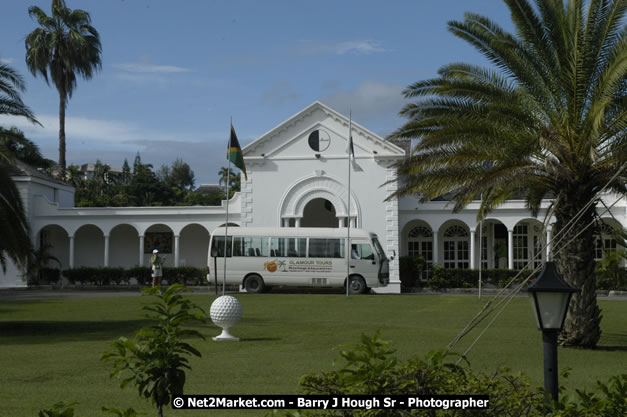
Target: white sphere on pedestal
column 225, row 312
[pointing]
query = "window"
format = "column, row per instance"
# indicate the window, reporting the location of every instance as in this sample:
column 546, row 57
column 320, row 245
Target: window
column 521, row 246
column 217, row 246
column 326, row 248
column 250, row 246
column 362, row 251
column 288, row 247
column 456, row 253
column 420, row 243
column 604, row 243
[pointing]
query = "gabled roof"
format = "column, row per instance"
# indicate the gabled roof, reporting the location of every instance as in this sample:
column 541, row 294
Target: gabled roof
column 21, row 169
column 361, row 136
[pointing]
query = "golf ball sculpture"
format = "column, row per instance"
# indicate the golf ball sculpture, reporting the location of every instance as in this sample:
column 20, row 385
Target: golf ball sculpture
column 225, row 312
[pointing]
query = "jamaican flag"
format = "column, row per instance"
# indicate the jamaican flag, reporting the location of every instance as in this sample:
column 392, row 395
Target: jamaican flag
column 234, row 153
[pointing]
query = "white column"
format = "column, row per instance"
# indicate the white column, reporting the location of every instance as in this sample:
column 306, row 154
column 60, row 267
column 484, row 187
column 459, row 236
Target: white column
column 436, row 260
column 176, row 251
column 141, row 250
column 106, row 251
column 71, row 251
column 510, row 248
column 340, row 222
column 298, row 222
column 472, row 249
column 549, row 236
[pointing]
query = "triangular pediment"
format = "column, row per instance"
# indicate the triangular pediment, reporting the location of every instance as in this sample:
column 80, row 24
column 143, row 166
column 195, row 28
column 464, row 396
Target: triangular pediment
column 319, row 131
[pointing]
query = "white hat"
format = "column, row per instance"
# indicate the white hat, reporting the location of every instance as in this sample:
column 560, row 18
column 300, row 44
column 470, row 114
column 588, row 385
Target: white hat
column 155, row 251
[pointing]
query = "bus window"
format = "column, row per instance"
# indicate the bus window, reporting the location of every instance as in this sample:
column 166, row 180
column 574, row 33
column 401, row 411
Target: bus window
column 218, row 243
column 362, row 251
column 288, row 247
column 252, row 246
column 326, row 248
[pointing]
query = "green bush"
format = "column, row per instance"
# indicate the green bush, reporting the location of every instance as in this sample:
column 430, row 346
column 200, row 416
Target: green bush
column 469, row 278
column 141, row 273
column 371, row 368
column 409, row 269
column 610, row 272
column 155, row 361
column 187, row 275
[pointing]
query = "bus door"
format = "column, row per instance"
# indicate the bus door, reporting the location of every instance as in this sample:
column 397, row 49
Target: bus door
column 364, row 262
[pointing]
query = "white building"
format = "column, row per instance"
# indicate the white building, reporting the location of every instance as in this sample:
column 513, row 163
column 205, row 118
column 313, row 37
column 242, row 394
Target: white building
column 297, row 177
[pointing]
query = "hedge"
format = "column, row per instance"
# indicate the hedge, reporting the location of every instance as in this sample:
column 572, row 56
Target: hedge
column 117, row 276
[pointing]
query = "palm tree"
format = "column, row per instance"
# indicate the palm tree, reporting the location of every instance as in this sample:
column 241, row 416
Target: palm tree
column 224, row 175
column 11, row 83
column 15, row 243
column 66, row 45
column 548, row 120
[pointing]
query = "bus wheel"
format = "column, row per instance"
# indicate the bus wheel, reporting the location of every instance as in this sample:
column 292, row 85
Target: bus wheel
column 254, row 284
column 356, row 285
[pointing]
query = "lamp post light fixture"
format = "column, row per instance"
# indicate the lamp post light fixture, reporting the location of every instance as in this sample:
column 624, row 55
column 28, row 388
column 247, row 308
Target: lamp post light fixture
column 550, row 296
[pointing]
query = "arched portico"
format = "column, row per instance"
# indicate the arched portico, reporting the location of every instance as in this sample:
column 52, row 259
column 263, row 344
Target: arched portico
column 124, row 245
column 91, row 246
column 316, row 190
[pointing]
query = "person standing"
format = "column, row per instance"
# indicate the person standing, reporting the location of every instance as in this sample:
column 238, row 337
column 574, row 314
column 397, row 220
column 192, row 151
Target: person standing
column 157, row 268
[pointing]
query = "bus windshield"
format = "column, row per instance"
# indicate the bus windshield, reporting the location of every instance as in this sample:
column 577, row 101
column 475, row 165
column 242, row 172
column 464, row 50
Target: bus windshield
column 379, row 249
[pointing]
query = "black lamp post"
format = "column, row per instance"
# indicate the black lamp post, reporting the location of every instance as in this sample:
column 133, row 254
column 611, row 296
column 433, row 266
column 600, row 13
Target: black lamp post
column 550, row 297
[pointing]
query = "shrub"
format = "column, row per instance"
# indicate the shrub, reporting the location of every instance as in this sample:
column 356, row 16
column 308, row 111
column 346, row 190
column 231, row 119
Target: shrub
column 156, row 360
column 469, row 278
column 140, row 273
column 371, row 368
column 186, row 275
column 409, row 269
column 610, row 273
column 95, row 275
column 107, row 276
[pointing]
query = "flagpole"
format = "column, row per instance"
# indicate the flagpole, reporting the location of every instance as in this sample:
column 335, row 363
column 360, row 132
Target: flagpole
column 348, row 229
column 226, row 228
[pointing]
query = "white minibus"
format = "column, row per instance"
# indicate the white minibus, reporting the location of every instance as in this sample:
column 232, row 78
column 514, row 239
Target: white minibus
column 260, row 258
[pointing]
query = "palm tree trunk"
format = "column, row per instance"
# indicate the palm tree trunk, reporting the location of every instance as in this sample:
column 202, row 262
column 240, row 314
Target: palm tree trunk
column 576, row 264
column 62, row 101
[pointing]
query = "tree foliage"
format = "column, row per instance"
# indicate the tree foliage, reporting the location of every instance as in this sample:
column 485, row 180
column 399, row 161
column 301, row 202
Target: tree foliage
column 169, row 186
column 15, row 243
column 64, row 46
column 547, row 120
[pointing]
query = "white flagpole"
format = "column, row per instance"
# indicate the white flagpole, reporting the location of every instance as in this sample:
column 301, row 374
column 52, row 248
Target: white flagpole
column 226, row 228
column 348, row 217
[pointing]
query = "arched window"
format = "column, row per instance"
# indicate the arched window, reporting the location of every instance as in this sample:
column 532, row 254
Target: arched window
column 605, row 242
column 420, row 243
column 456, row 253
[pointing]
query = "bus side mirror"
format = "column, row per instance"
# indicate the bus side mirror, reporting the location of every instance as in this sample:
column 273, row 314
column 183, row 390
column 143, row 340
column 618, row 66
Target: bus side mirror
column 393, row 256
column 214, row 251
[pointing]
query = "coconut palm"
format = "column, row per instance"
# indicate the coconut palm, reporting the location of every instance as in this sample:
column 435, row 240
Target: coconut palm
column 64, row 46
column 15, row 243
column 548, row 120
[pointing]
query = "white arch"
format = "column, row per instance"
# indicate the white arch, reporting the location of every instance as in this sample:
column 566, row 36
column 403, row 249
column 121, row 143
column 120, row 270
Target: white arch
column 314, row 186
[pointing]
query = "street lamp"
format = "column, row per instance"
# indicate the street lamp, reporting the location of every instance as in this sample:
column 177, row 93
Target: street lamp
column 550, row 297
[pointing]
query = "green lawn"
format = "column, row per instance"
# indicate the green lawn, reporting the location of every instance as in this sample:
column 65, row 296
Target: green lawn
column 50, row 349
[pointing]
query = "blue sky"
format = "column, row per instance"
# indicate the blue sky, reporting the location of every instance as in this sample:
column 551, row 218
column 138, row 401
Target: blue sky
column 174, row 72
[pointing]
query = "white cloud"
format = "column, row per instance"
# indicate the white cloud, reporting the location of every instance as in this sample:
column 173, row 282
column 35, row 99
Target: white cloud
column 279, row 94
column 373, row 104
column 355, row 47
column 146, row 68
column 358, row 47
column 7, row 61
